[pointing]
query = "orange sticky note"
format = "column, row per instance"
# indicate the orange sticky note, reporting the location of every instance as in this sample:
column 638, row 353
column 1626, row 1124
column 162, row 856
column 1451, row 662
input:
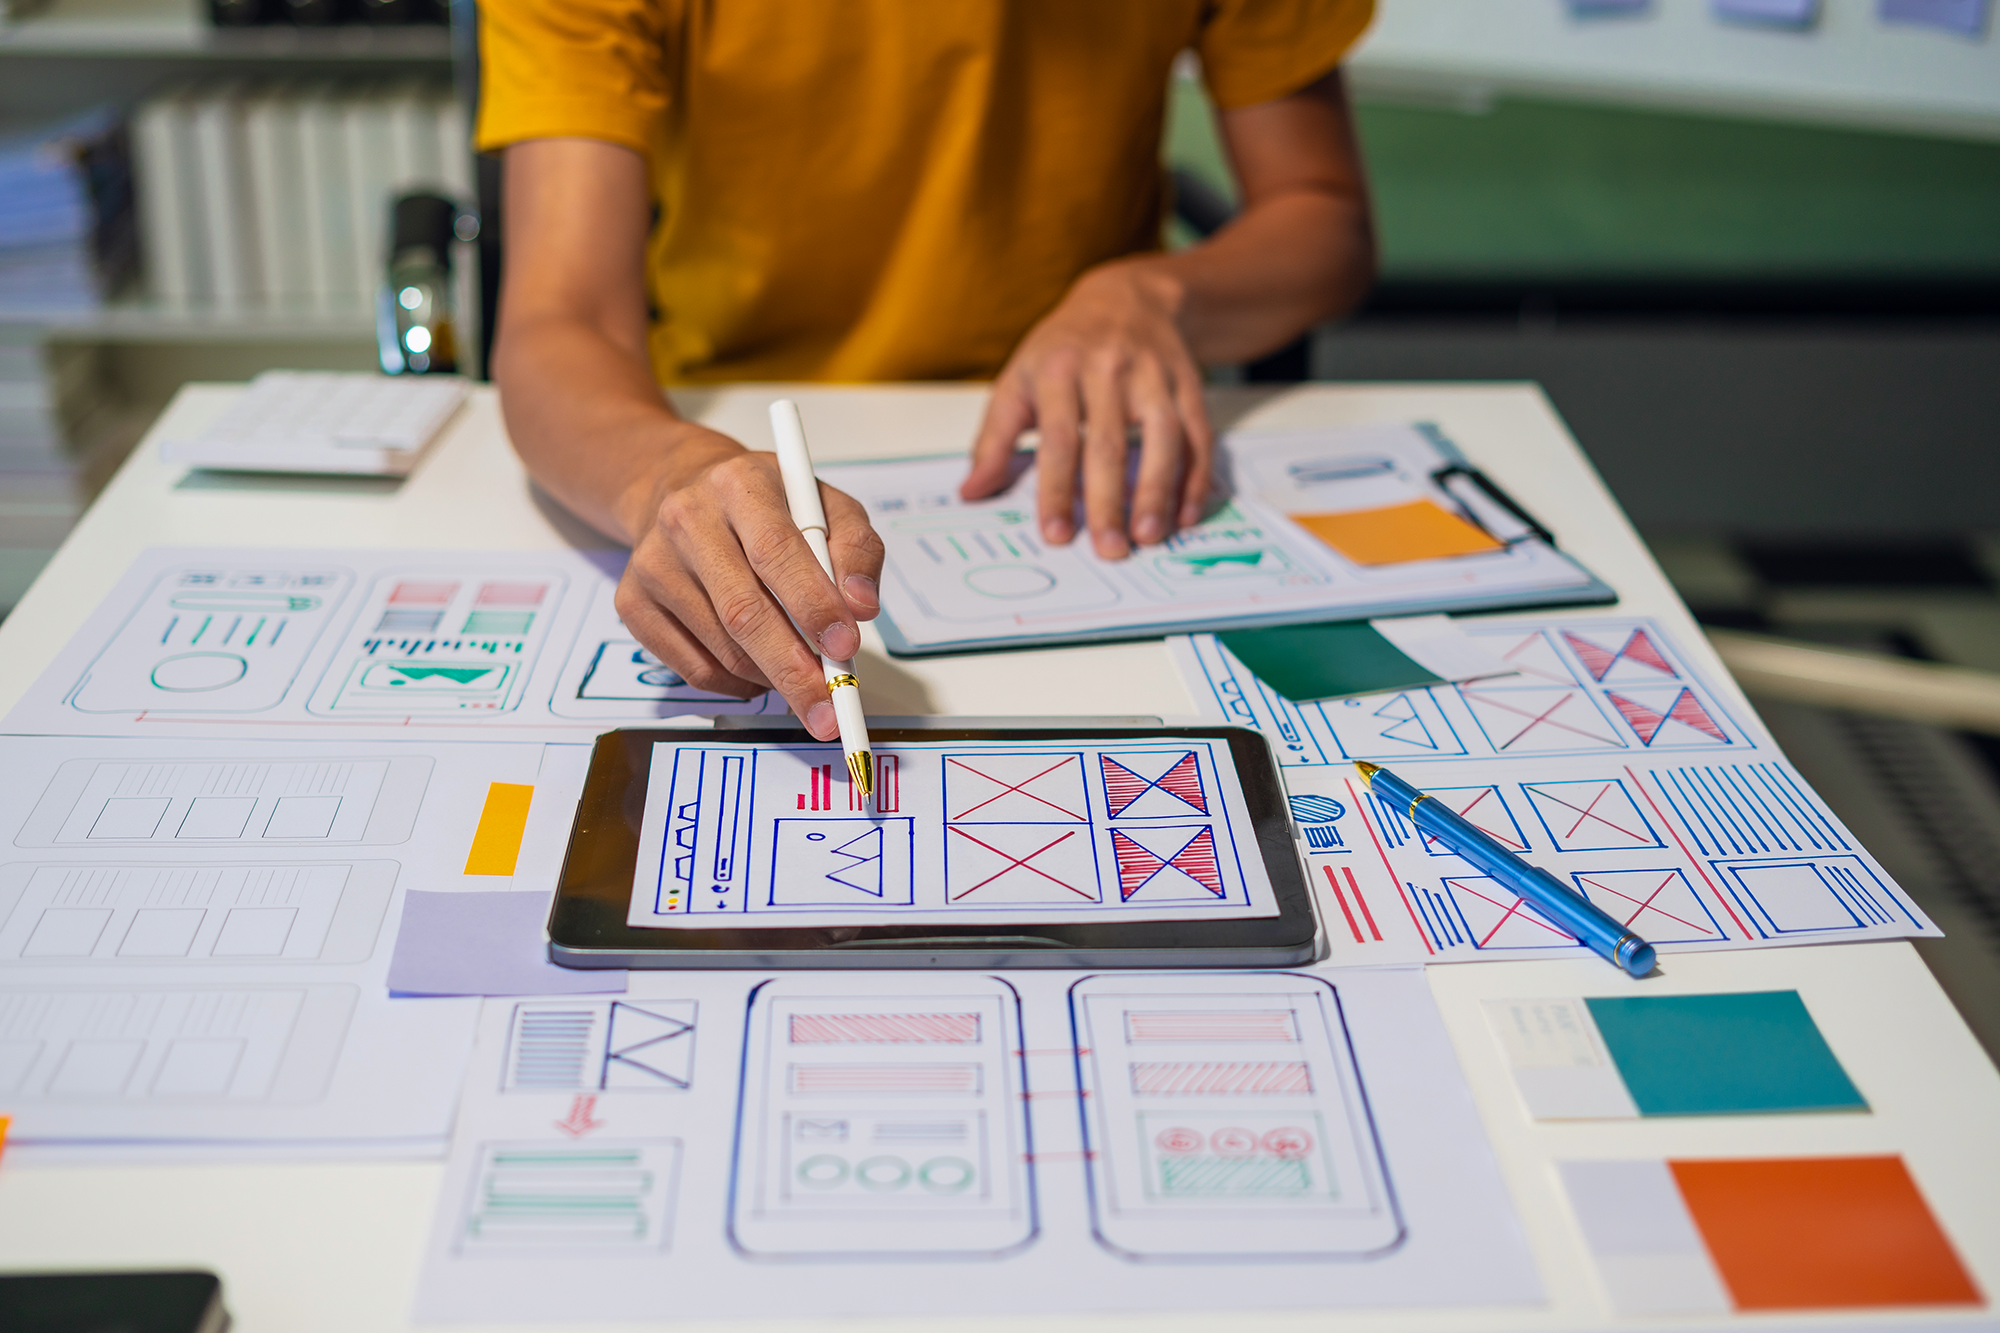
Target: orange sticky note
column 1821, row 1233
column 496, row 844
column 5, row 1121
column 1419, row 530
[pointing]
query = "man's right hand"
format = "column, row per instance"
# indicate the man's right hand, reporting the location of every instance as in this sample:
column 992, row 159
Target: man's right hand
column 721, row 583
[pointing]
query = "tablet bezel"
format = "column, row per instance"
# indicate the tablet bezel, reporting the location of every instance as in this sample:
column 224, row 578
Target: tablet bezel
column 588, row 927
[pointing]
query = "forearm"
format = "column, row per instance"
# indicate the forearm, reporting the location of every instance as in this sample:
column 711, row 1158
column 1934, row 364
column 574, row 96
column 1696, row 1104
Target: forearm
column 587, row 418
column 1281, row 266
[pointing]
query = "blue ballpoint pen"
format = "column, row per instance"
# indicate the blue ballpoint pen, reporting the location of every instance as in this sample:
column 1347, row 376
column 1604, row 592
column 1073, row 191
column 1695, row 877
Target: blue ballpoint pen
column 1597, row 929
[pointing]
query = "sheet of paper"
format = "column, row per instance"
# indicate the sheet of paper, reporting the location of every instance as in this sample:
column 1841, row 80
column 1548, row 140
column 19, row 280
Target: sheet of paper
column 1605, row 759
column 195, row 937
column 1622, row 1057
column 977, row 573
column 489, row 943
column 1967, row 18
column 1764, row 1234
column 920, row 1143
column 378, row 643
column 957, row 832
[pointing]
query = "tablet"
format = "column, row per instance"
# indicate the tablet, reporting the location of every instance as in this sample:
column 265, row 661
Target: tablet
column 590, row 925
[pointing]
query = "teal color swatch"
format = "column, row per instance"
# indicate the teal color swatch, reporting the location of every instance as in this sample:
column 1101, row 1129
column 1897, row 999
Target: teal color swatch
column 1745, row 1054
column 1307, row 662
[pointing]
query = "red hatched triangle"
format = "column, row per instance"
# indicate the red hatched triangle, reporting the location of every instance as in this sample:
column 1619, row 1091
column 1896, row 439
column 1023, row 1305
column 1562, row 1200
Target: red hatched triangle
column 1184, row 781
column 1197, row 861
column 1595, row 660
column 1642, row 719
column 1136, row 865
column 1121, row 785
column 1641, row 648
column 1687, row 711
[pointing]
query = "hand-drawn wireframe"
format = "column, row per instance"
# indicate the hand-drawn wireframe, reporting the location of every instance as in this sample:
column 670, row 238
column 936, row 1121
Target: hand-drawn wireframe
column 1592, row 815
column 1527, row 719
column 436, row 641
column 1748, row 809
column 883, row 1117
column 1660, row 905
column 1621, row 656
column 601, row 1045
column 1486, row 809
column 251, row 802
column 157, row 914
column 209, row 638
column 1318, row 819
column 1224, row 1119
column 1813, row 896
column 250, row 1044
column 994, row 834
column 608, row 676
column 1494, row 918
column 595, row 1199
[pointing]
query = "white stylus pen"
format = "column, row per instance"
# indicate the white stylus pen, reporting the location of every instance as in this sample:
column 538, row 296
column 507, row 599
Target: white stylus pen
column 802, row 494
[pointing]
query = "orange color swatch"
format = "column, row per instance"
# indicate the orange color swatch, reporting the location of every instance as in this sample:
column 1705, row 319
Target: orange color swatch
column 1816, row 1233
column 496, row 844
column 1419, row 530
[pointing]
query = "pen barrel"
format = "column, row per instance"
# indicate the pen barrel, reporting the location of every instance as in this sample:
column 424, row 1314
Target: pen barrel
column 816, row 538
column 1593, row 927
column 795, row 466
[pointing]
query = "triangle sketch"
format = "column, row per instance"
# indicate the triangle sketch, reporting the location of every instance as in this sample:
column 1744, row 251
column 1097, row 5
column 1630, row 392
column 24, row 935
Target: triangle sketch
column 1646, row 720
column 1139, row 866
column 860, row 866
column 647, row 1047
column 1600, row 661
column 1405, row 723
column 1123, row 787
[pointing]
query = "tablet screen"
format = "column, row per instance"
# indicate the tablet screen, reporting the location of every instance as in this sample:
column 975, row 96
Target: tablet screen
column 957, row 833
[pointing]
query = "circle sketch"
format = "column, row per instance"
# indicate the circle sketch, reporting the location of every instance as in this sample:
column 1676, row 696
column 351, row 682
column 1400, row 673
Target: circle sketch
column 1010, row 582
column 190, row 673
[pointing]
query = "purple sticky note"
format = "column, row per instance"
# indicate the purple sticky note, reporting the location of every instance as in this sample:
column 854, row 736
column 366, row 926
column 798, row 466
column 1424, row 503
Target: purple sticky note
column 1773, row 13
column 1967, row 18
column 489, row 943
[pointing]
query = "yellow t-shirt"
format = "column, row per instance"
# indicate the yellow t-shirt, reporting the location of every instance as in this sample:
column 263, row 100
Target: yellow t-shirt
column 882, row 189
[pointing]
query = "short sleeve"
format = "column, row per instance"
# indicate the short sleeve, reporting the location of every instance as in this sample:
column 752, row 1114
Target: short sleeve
column 588, row 69
column 1260, row 50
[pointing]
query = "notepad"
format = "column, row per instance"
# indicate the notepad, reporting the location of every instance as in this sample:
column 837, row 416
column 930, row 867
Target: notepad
column 1799, row 1233
column 1670, row 1055
column 1397, row 534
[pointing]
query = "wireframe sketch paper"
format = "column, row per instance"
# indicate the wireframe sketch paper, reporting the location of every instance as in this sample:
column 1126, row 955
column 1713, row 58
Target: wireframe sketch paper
column 194, row 938
column 1605, row 758
column 1319, row 525
column 957, row 832
column 362, row 643
column 911, row 1143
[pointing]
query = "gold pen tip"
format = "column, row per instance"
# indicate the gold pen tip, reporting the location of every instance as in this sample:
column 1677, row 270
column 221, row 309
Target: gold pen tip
column 861, row 767
column 1368, row 770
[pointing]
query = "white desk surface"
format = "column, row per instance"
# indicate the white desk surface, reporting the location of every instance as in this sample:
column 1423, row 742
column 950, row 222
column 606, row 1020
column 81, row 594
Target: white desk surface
column 335, row 1248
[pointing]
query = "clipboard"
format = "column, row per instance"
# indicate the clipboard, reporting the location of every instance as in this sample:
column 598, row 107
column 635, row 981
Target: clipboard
column 1349, row 523
column 588, row 925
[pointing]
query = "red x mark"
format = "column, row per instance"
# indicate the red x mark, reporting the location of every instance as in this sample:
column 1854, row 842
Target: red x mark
column 1646, row 904
column 1547, row 715
column 1019, row 863
column 1511, row 908
column 1496, row 834
column 1584, row 812
column 1013, row 788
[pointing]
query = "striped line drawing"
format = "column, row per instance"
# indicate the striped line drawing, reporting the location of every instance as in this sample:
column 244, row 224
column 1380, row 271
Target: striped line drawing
column 884, row 1030
column 885, row 1078
column 1225, row 1025
column 1224, row 1078
column 1233, row 1176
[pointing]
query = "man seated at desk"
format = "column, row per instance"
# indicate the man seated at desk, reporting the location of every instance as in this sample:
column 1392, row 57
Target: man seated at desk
column 701, row 191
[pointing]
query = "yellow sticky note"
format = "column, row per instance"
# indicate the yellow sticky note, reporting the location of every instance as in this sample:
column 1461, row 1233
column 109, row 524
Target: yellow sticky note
column 1418, row 530
column 496, row 845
